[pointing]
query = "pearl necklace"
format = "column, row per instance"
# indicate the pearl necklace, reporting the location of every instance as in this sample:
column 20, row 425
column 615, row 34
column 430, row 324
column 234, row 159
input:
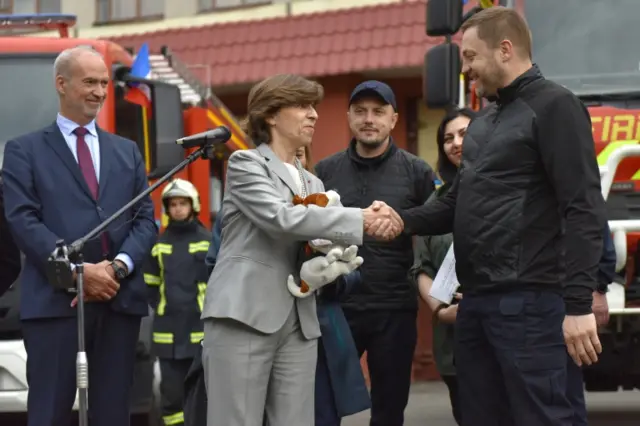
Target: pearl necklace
column 303, row 182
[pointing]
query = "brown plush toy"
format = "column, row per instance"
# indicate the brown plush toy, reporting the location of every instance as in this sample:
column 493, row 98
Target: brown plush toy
column 317, row 247
column 319, row 199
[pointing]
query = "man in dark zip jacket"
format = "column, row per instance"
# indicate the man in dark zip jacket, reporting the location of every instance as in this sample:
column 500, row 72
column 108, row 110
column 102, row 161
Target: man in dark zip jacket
column 528, row 165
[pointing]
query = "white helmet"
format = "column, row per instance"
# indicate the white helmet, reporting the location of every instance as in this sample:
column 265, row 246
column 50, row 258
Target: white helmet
column 182, row 188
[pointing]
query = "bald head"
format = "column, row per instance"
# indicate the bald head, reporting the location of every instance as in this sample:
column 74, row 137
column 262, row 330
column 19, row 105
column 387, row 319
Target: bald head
column 65, row 60
column 81, row 79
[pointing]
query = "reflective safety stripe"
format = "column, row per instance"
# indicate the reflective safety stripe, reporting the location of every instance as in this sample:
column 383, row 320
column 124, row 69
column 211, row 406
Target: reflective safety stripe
column 157, row 251
column 173, row 419
column 199, row 246
column 197, row 336
column 202, row 291
column 163, row 338
column 608, row 150
column 152, row 279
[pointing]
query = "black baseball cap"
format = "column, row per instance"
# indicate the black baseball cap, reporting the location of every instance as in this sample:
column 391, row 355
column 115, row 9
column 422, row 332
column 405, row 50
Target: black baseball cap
column 376, row 89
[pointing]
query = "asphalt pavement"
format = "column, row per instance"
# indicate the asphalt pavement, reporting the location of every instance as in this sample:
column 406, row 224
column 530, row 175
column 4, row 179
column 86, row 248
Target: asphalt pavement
column 429, row 406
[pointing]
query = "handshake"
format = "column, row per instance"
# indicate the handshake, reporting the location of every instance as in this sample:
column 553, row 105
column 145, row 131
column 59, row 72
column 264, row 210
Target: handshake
column 382, row 222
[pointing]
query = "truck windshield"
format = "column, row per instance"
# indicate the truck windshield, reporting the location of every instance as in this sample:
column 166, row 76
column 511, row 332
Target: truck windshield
column 29, row 100
column 589, row 46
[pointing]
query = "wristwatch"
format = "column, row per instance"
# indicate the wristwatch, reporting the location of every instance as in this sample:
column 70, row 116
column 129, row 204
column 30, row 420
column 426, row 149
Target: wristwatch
column 121, row 273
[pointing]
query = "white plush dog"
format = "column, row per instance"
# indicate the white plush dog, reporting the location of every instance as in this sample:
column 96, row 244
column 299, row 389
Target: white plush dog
column 322, row 270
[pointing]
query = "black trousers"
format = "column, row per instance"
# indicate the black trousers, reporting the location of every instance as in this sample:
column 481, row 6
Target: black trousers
column 173, row 373
column 389, row 338
column 511, row 360
column 52, row 345
column 575, row 393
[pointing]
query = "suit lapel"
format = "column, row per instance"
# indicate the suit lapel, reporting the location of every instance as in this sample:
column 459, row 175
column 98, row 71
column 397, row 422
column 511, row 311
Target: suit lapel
column 277, row 166
column 106, row 157
column 56, row 141
column 313, row 184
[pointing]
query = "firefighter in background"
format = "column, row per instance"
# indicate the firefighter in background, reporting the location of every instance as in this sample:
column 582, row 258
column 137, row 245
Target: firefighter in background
column 177, row 278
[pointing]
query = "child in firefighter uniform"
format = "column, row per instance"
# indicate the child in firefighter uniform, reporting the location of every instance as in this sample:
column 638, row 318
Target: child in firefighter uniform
column 177, row 278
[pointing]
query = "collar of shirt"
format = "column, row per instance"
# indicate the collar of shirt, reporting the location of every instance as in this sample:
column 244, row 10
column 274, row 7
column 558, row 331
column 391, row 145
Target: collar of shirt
column 68, row 126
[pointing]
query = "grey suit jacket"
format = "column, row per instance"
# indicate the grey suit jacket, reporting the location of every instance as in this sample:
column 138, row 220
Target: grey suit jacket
column 261, row 234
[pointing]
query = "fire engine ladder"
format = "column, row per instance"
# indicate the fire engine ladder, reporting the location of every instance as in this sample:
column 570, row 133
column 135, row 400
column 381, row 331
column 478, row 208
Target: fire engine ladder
column 172, row 70
column 164, row 69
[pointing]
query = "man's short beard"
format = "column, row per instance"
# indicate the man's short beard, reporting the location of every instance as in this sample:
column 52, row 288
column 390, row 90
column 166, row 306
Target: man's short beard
column 371, row 145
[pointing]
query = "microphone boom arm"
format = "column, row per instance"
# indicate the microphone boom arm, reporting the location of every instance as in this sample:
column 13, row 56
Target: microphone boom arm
column 76, row 246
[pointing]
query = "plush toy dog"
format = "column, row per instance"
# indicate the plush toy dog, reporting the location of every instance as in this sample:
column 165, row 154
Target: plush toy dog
column 322, row 262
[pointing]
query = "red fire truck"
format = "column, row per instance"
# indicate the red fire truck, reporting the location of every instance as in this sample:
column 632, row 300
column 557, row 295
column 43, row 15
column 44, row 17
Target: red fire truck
column 587, row 46
column 29, row 102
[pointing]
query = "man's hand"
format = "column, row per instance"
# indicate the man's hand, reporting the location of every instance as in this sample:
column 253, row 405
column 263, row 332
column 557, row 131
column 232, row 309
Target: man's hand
column 581, row 337
column 600, row 308
column 74, row 302
column 381, row 221
column 98, row 283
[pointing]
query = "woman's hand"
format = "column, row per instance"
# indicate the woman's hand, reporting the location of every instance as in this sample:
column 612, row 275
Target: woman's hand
column 448, row 315
column 322, row 270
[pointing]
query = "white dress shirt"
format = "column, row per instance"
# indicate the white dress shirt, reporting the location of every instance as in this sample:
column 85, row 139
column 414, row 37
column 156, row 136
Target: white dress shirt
column 67, row 127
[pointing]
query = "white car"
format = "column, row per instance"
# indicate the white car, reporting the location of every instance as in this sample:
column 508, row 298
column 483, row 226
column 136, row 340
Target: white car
column 13, row 365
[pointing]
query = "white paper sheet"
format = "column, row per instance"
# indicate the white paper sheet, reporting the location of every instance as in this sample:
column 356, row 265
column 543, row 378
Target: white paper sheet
column 446, row 282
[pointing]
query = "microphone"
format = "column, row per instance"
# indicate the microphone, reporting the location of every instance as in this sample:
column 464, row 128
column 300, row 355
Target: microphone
column 216, row 136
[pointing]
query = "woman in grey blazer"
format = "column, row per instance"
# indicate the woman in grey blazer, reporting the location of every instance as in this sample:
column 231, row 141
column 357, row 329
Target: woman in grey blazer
column 260, row 344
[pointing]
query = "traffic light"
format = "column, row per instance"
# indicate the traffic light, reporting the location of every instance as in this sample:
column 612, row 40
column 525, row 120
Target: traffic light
column 444, row 17
column 441, row 78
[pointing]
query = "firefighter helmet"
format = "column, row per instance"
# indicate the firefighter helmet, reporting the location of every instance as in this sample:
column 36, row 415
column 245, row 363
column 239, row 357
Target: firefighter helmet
column 182, row 188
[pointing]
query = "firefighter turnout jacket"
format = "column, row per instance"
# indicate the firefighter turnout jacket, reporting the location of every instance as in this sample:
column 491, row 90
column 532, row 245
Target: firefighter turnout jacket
column 177, row 278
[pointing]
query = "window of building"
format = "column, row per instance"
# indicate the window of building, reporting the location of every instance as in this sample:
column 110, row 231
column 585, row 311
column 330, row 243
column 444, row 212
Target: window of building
column 29, row 6
column 128, row 10
column 208, row 5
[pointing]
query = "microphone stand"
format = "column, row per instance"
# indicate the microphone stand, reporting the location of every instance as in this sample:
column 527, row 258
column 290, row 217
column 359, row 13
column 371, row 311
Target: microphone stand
column 60, row 276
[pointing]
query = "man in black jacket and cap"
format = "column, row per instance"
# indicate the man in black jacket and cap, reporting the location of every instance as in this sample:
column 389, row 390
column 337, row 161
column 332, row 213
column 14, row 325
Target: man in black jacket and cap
column 382, row 308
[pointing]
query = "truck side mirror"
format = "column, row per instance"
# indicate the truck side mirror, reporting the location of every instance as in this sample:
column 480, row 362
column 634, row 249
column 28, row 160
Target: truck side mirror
column 444, row 17
column 441, row 79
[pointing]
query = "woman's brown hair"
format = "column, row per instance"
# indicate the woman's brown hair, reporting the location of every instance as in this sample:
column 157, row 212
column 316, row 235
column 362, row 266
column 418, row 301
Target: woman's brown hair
column 270, row 95
column 308, row 160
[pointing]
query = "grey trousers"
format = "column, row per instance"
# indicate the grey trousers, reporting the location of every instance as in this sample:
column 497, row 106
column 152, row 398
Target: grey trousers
column 250, row 375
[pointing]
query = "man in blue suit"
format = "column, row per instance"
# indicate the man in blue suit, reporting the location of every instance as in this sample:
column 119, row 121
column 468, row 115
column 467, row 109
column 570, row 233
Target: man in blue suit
column 60, row 183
